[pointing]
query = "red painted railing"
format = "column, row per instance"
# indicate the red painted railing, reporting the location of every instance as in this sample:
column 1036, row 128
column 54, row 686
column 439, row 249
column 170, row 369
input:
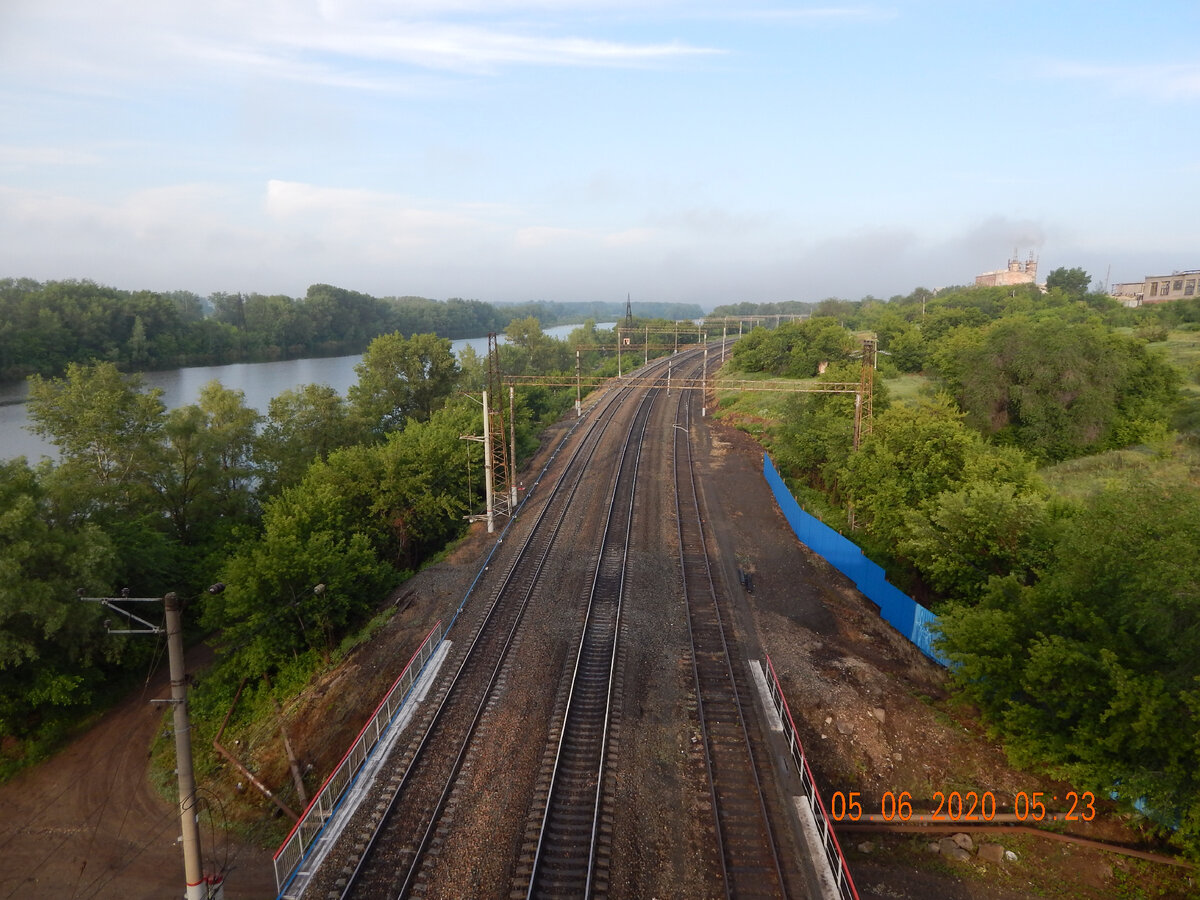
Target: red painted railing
column 297, row 844
column 829, row 841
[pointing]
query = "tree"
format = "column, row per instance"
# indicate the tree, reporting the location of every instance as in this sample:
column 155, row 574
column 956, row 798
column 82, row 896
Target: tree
column 1072, row 282
column 231, row 430
column 1094, row 668
column 303, row 425
column 53, row 648
column 401, row 378
column 105, row 427
column 912, row 455
column 1055, row 388
column 271, row 608
column 531, row 350
column 795, row 349
column 964, row 537
column 816, row 434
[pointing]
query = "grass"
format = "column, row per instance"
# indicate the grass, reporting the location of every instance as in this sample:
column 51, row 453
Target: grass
column 747, row 409
column 910, row 389
column 1077, row 479
column 1183, row 349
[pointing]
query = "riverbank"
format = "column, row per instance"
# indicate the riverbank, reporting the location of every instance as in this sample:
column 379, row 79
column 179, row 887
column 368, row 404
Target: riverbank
column 260, row 382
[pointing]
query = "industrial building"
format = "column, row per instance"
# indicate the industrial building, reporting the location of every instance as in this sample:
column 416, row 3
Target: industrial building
column 1158, row 288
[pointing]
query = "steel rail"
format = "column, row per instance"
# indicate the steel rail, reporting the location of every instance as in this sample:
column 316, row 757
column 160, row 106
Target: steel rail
column 746, row 844
column 564, row 860
column 541, row 538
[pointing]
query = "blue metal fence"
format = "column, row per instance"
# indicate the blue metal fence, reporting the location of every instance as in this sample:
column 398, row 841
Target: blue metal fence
column 901, row 611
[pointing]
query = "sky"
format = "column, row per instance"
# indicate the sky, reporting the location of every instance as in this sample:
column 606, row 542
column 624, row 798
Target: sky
column 579, row 150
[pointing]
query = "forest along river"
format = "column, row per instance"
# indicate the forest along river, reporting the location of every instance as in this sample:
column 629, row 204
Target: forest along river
column 259, row 381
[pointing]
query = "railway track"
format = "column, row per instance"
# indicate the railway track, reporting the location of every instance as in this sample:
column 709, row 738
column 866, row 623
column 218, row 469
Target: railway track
column 567, row 861
column 749, row 856
column 403, row 827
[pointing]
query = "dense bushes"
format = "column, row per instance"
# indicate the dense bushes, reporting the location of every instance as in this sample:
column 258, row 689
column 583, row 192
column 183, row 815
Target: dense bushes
column 1072, row 619
column 308, row 515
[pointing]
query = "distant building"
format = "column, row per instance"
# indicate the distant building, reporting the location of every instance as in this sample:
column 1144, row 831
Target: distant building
column 1017, row 273
column 1158, row 288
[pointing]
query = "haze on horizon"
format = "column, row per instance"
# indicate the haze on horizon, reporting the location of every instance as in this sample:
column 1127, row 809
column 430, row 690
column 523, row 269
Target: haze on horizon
column 585, row 149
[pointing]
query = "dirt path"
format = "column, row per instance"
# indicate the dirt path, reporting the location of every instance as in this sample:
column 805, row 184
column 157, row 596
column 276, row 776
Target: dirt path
column 88, row 824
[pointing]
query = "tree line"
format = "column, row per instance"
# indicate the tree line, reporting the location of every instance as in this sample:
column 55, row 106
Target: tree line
column 1069, row 601
column 347, row 492
column 45, row 326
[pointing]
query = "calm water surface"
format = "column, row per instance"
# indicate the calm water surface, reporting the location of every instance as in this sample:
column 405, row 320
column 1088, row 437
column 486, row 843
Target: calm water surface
column 259, row 381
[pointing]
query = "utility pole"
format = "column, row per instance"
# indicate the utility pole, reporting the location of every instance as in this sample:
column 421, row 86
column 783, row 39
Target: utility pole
column 198, row 886
column 512, row 446
column 489, row 473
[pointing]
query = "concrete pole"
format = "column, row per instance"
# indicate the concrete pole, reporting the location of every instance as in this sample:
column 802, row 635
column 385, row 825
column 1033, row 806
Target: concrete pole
column 578, row 389
column 489, row 472
column 704, row 384
column 724, row 337
column 183, row 752
column 512, row 443
column 646, row 360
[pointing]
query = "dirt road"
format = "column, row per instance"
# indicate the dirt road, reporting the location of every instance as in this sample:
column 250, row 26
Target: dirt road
column 88, row 824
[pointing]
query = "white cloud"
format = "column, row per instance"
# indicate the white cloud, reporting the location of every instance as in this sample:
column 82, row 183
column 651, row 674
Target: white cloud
column 808, row 15
column 21, row 157
column 1163, row 81
column 443, row 46
column 347, row 45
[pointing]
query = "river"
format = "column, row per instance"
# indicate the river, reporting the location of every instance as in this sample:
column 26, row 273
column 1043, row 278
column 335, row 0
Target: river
column 259, row 381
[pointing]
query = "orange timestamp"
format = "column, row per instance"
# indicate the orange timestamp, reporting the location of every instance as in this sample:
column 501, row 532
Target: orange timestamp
column 966, row 806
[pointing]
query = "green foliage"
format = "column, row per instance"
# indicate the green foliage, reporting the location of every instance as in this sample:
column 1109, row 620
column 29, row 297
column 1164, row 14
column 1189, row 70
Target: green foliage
column 272, row 607
column 303, row 425
column 914, row 454
column 908, row 350
column 530, row 350
column 401, row 378
column 963, row 537
column 45, row 326
column 53, row 649
column 816, row 432
column 1095, row 668
column 1058, row 389
column 206, row 466
column 105, row 427
column 794, row 349
column 1072, row 282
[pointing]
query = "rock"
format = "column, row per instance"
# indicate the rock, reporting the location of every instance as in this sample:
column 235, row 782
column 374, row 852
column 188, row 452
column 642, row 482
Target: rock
column 945, row 845
column 866, row 847
column 959, row 854
column 993, row 853
column 845, row 727
column 829, row 720
column 934, row 847
column 962, row 839
column 1010, row 856
column 879, row 714
column 898, row 756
